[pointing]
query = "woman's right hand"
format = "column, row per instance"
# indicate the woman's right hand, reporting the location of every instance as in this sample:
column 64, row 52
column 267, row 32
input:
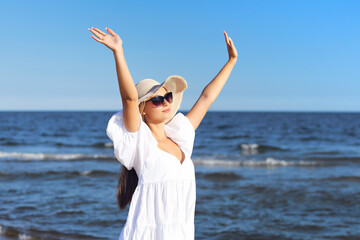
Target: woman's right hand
column 112, row 41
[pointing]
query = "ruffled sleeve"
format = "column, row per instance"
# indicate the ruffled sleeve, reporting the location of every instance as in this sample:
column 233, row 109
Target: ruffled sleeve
column 130, row 148
column 180, row 130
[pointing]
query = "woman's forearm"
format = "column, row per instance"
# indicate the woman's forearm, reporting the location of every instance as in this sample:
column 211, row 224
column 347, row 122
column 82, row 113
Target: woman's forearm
column 114, row 42
column 126, row 84
column 212, row 90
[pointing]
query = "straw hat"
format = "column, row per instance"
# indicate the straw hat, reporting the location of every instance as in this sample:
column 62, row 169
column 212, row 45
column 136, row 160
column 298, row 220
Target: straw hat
column 175, row 84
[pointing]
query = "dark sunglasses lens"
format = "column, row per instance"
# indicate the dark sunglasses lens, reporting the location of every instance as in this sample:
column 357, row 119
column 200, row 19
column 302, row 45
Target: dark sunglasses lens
column 157, row 101
column 169, row 97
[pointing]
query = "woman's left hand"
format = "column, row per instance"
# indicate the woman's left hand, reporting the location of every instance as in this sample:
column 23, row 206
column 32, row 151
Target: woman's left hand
column 230, row 47
column 112, row 41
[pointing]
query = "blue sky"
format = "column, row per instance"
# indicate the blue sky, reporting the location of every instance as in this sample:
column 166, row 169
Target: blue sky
column 293, row 55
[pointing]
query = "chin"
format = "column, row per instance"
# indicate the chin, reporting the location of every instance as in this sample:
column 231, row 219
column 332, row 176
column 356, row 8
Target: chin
column 167, row 116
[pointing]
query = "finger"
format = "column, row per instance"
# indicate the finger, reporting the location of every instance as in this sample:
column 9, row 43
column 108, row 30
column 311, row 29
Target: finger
column 111, row 32
column 97, row 34
column 225, row 34
column 232, row 43
column 226, row 38
column 96, row 39
column 99, row 31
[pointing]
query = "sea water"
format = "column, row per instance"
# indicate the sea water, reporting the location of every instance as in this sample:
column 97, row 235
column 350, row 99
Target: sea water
column 259, row 175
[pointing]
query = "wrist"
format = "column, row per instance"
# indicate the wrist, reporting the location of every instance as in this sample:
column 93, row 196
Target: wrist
column 118, row 50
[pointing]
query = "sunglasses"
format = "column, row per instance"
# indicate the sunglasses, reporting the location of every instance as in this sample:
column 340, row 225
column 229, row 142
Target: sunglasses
column 159, row 100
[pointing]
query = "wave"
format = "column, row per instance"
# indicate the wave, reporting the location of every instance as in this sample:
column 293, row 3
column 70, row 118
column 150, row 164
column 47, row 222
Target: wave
column 12, row 143
column 56, row 174
column 255, row 148
column 340, row 159
column 45, row 134
column 95, row 145
column 59, row 144
column 314, row 138
column 224, row 126
column 344, row 178
column 326, row 152
column 25, row 208
column 221, row 176
column 269, row 162
column 199, row 161
column 69, row 212
column 32, row 233
column 106, row 144
column 227, row 137
column 4, row 174
column 95, row 173
column 54, row 156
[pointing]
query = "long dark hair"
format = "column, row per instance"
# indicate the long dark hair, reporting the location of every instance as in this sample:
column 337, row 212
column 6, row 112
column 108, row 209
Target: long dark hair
column 128, row 179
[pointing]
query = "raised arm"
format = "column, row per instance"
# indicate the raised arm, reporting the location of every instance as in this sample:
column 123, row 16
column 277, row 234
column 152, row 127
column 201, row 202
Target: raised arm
column 126, row 84
column 212, row 90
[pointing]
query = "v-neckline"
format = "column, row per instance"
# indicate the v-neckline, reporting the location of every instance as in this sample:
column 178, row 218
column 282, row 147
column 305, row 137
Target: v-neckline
column 183, row 154
column 157, row 143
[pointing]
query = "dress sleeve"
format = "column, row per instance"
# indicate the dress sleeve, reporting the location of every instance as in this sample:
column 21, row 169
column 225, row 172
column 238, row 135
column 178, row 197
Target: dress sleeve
column 182, row 131
column 130, row 148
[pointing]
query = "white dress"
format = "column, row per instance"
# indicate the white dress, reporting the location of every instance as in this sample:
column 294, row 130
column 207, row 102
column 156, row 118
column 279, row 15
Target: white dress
column 163, row 204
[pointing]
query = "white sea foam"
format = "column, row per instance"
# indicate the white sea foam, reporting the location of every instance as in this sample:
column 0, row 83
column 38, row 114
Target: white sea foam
column 85, row 173
column 109, row 145
column 248, row 149
column 216, row 162
column 249, row 146
column 269, row 162
column 280, row 163
column 23, row 236
column 51, row 156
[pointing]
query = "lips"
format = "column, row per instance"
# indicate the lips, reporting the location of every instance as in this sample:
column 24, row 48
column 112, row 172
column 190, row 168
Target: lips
column 167, row 110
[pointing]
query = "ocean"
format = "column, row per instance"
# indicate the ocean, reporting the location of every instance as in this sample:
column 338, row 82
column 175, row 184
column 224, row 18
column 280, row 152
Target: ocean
column 259, row 175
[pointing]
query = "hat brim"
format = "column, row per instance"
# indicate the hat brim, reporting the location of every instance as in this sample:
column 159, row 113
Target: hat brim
column 176, row 85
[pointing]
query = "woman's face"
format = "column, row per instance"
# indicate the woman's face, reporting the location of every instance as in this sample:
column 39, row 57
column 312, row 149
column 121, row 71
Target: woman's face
column 158, row 114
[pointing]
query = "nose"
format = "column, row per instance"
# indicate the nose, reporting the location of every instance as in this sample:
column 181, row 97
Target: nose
column 165, row 103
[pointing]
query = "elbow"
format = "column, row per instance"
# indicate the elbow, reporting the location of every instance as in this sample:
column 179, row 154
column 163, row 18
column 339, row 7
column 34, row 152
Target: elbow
column 129, row 100
column 208, row 98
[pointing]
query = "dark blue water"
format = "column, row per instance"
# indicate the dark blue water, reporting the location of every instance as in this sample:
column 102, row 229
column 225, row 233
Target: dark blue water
column 260, row 175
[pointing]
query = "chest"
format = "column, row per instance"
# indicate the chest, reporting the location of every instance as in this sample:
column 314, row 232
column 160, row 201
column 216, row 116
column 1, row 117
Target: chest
column 162, row 166
column 173, row 149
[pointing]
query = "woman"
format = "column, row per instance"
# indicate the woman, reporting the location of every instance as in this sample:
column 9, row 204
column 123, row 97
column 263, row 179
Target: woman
column 154, row 144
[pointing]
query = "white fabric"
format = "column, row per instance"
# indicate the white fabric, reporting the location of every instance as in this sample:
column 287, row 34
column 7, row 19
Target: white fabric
column 163, row 204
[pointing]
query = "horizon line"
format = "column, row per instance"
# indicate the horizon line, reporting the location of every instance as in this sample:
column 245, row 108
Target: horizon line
column 181, row 110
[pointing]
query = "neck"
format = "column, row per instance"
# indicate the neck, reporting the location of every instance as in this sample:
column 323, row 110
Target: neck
column 158, row 131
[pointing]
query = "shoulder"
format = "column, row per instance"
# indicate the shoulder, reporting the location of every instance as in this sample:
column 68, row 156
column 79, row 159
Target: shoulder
column 180, row 130
column 180, row 126
column 116, row 126
column 180, row 121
